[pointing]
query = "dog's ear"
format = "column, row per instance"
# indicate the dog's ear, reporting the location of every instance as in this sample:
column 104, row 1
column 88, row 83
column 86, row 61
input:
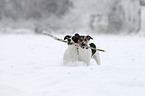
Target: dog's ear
column 77, row 35
column 67, row 37
column 89, row 37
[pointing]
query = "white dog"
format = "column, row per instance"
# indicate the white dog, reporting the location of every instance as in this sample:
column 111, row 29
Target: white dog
column 79, row 51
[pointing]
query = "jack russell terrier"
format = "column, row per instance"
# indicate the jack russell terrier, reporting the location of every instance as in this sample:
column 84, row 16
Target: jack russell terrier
column 79, row 50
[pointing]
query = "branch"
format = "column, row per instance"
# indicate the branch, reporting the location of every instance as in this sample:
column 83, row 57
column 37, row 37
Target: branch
column 56, row 38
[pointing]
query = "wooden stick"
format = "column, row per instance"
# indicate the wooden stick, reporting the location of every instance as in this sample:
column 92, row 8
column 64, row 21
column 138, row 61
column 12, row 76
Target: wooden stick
column 56, row 38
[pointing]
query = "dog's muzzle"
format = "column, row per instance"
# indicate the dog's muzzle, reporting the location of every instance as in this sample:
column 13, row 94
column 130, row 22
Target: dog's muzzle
column 84, row 45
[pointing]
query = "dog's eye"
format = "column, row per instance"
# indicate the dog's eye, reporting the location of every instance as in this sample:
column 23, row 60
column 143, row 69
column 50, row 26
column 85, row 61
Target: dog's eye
column 81, row 40
column 85, row 39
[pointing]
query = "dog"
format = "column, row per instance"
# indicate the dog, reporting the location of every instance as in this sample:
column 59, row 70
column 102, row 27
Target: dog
column 79, row 50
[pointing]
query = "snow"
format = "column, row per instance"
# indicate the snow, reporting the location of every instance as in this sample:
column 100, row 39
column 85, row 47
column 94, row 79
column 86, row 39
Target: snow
column 31, row 65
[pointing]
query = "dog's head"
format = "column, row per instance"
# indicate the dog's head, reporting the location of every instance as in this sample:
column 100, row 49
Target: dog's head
column 75, row 38
column 83, row 41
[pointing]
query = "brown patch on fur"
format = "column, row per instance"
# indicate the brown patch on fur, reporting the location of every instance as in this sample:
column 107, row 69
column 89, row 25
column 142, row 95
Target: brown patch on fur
column 82, row 39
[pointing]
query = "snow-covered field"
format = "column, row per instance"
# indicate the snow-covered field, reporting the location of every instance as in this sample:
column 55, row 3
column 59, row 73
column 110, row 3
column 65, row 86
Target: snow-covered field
column 31, row 65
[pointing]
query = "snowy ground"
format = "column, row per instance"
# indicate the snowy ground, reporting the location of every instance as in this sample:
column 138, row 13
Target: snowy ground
column 31, row 65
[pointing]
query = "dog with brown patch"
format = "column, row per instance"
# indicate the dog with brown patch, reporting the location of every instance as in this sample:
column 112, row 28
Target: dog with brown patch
column 78, row 50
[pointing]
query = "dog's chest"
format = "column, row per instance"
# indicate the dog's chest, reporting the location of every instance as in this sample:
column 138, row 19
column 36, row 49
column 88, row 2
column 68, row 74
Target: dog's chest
column 76, row 53
column 84, row 54
column 70, row 54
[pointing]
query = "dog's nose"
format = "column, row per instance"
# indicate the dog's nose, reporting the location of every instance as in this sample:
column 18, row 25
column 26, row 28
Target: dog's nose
column 83, row 44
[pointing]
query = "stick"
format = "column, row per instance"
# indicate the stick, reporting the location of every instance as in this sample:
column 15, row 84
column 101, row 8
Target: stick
column 97, row 49
column 56, row 38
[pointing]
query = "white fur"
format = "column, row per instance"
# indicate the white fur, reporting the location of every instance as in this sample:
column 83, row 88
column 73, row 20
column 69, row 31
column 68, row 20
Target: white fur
column 84, row 55
column 70, row 54
column 74, row 54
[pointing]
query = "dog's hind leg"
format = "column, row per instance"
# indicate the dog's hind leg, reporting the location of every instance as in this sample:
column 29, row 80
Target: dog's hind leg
column 97, row 58
column 95, row 53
